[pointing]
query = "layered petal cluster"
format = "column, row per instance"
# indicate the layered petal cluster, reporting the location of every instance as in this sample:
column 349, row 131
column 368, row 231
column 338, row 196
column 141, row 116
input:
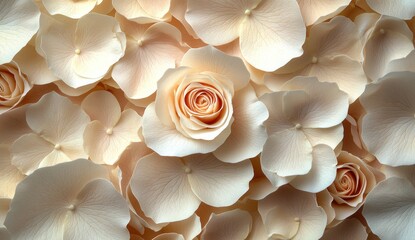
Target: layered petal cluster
column 332, row 53
column 111, row 131
column 81, row 52
column 144, row 11
column 303, row 128
column 389, row 39
column 267, row 39
column 70, row 8
column 388, row 127
column 57, row 134
column 292, row 214
column 13, row 86
column 71, row 200
column 206, row 105
column 171, row 188
column 19, row 21
column 151, row 49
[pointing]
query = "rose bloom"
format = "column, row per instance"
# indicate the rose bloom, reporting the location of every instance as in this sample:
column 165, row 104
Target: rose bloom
column 206, row 105
column 354, row 180
column 13, row 86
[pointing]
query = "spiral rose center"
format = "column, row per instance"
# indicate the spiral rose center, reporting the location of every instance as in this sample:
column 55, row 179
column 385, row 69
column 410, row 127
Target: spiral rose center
column 203, row 102
column 348, row 183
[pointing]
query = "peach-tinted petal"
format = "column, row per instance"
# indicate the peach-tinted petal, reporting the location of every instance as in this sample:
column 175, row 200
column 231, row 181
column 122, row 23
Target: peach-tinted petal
column 95, row 103
column 248, row 133
column 165, row 139
column 235, row 224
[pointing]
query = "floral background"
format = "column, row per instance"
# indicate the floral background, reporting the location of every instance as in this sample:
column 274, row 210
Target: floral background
column 207, row 119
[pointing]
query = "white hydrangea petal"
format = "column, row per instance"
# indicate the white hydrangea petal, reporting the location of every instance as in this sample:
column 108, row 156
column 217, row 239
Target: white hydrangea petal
column 162, row 188
column 389, row 209
column 349, row 229
column 217, row 183
column 69, row 8
column 318, row 11
column 322, row 173
column 397, row 8
column 10, row 175
column 102, row 106
column 19, row 21
column 267, row 40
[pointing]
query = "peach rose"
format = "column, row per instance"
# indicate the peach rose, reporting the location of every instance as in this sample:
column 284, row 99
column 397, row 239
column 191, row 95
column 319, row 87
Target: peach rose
column 13, row 86
column 354, row 180
column 206, row 105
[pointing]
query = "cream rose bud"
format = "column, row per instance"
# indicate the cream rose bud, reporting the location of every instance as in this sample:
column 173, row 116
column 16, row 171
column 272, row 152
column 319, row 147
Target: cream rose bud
column 13, row 86
column 354, row 180
column 206, row 105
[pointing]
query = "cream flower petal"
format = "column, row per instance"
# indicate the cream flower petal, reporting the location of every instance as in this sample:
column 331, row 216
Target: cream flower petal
column 389, row 210
column 267, row 40
column 29, row 151
column 390, row 39
column 327, row 105
column 63, row 196
column 13, row 125
column 10, row 176
column 348, row 229
column 34, row 66
column 234, row 224
column 142, row 11
column 69, row 8
column 19, row 21
column 300, row 210
column 189, row 228
column 166, row 140
column 220, row 22
column 327, row 136
column 74, row 49
column 169, row 236
column 216, row 183
column 321, row 10
column 287, row 153
column 212, row 60
column 248, row 133
column 95, row 103
column 160, row 43
column 57, row 119
column 401, row 9
column 217, row 22
column 162, row 188
column 322, row 173
column 388, row 128
column 105, row 145
column 402, row 64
